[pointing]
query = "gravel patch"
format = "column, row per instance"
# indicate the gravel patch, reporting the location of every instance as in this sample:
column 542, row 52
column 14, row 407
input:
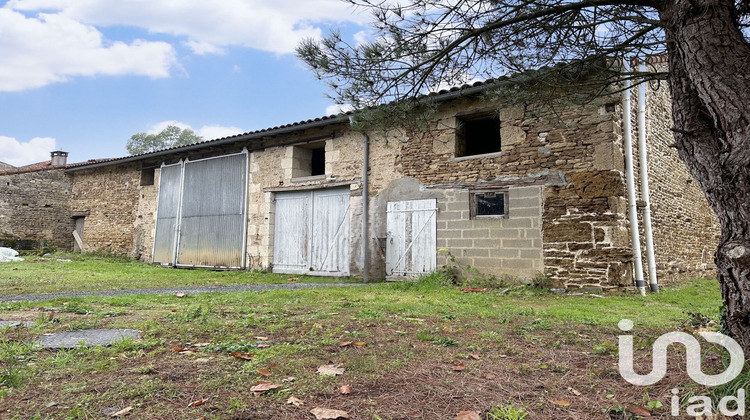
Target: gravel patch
column 173, row 290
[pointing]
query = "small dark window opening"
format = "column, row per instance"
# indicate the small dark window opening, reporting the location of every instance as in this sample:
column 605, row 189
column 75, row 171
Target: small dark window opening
column 477, row 135
column 488, row 204
column 147, row 176
column 318, row 162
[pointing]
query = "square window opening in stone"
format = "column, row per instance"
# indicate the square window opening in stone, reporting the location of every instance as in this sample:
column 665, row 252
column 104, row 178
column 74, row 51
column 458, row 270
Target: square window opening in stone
column 309, row 160
column 488, row 204
column 318, row 161
column 147, row 176
column 477, row 135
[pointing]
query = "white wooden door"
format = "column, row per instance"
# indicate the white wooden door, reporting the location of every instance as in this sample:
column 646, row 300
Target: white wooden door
column 311, row 233
column 292, row 232
column 329, row 252
column 410, row 239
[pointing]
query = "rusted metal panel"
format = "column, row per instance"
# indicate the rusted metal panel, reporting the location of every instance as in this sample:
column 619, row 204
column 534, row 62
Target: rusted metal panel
column 167, row 212
column 212, row 219
column 411, row 237
column 311, row 233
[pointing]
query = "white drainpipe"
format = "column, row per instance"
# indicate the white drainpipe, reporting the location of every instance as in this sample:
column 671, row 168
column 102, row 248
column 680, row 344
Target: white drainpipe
column 642, row 154
column 632, row 209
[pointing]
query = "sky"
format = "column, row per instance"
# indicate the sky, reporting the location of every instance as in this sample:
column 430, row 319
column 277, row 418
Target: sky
column 82, row 76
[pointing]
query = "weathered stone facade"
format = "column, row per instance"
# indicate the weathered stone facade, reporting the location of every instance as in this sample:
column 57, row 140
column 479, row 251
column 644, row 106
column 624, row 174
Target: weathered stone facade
column 685, row 229
column 35, row 206
column 109, row 197
column 561, row 170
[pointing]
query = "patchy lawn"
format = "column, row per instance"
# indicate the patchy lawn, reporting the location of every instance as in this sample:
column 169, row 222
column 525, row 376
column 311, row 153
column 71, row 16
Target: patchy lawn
column 81, row 272
column 408, row 351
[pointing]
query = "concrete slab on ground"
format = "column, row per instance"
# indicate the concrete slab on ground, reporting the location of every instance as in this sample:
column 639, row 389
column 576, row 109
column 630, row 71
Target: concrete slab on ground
column 16, row 324
column 73, row 339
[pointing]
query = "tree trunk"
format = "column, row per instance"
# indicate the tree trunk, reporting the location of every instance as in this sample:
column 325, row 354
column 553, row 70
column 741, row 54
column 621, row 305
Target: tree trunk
column 710, row 82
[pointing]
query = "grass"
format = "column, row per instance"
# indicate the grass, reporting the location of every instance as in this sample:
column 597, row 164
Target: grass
column 65, row 272
column 423, row 348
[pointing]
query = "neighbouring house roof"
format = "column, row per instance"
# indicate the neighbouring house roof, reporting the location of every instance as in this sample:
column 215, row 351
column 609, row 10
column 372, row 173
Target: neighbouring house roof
column 440, row 96
column 43, row 166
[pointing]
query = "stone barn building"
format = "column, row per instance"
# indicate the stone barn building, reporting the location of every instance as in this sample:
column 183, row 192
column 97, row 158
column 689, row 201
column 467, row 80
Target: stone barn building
column 521, row 190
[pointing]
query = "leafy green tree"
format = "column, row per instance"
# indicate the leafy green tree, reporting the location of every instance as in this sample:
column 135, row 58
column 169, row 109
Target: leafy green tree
column 172, row 136
column 421, row 44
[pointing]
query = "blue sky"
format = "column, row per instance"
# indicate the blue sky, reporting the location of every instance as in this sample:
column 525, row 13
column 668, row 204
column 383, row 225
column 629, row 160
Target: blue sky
column 84, row 75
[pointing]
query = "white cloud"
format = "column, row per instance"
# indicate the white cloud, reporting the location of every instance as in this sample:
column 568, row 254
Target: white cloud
column 16, row 153
column 363, row 37
column 50, row 48
column 208, row 132
column 211, row 132
column 337, row 109
column 276, row 26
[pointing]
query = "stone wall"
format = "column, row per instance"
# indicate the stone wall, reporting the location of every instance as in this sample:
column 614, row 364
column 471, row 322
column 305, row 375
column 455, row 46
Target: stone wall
column 145, row 219
column 34, row 206
column 685, row 229
column 110, row 195
column 573, row 153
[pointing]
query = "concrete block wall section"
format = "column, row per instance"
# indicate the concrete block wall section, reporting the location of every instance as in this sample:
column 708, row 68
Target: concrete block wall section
column 511, row 245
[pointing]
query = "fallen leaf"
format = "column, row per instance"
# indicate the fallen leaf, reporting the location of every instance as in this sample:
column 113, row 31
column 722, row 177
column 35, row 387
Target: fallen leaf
column 187, row 352
column 331, row 370
column 415, row 415
column 293, row 279
column 295, row 401
column 197, row 403
column 458, row 366
column 488, row 375
column 122, row 413
column 263, row 345
column 264, row 386
column 201, row 344
column 241, row 355
column 345, row 389
column 328, row 413
column 289, row 379
column 474, row 356
column 179, row 349
column 639, row 411
column 264, row 372
column 561, row 403
column 468, row 415
column 574, row 391
column 474, row 290
column 261, row 338
column 345, row 343
column 359, row 344
column 180, row 295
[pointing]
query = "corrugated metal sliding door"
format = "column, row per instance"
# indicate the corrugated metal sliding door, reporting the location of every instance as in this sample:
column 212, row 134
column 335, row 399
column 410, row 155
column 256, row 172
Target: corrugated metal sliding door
column 212, row 219
column 411, row 237
column 201, row 216
column 312, row 232
column 167, row 214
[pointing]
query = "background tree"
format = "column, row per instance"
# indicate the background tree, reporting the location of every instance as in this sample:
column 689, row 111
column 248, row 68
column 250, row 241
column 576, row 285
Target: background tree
column 422, row 44
column 172, row 136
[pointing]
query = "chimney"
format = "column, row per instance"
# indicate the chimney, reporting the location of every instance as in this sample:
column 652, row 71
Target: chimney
column 59, row 158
